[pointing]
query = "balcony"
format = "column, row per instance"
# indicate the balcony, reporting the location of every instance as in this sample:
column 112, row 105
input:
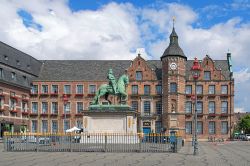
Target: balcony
column 79, row 114
column 54, row 114
column 188, row 95
column 44, row 94
column 224, row 95
column 200, row 95
column 91, row 94
column 66, row 114
column 34, row 94
column 44, row 114
column 13, row 111
column 33, row 114
column 54, row 94
column 25, row 113
column 79, row 95
column 188, row 114
column 199, row 114
column 211, row 95
column 14, row 97
column 224, row 114
column 211, row 115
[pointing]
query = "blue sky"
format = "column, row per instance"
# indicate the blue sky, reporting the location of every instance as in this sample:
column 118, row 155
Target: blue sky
column 105, row 29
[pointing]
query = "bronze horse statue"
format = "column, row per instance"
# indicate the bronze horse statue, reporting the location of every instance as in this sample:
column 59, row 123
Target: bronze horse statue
column 106, row 90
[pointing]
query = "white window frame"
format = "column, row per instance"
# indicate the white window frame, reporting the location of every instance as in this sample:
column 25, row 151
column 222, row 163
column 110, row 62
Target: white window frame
column 77, row 88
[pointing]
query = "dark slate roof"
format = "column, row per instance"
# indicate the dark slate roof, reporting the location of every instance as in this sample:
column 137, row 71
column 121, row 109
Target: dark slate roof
column 96, row 70
column 219, row 65
column 89, row 70
column 23, row 65
column 19, row 60
column 173, row 49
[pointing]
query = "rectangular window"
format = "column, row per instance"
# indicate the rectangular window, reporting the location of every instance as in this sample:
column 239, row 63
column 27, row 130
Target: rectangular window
column 188, row 108
column 223, row 89
column 34, row 89
column 224, row 107
column 158, row 126
column 67, row 89
column 207, row 75
column 79, row 107
column 134, row 105
column 199, row 128
column 54, row 125
column 199, row 89
column 44, row 126
column 12, row 104
column 188, row 89
column 34, row 107
column 158, row 106
column 158, row 89
column 199, row 107
column 211, row 107
column 44, row 107
column 54, row 89
column 173, row 87
column 79, row 89
column 79, row 124
column 66, row 125
column 44, row 89
column 92, row 89
column 13, row 76
column 135, row 89
column 1, row 103
column 224, row 127
column 188, row 127
column 211, row 89
column 211, row 127
column 67, row 108
column 54, row 108
column 34, row 126
column 146, row 89
column 138, row 75
column 146, row 107
column 1, row 73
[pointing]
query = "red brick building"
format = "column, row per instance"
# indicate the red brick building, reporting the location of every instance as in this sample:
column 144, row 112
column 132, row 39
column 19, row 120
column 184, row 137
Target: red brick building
column 160, row 90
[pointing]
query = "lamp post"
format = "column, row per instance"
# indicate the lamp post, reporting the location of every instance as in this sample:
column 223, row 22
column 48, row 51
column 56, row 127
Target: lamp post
column 65, row 101
column 196, row 73
column 193, row 102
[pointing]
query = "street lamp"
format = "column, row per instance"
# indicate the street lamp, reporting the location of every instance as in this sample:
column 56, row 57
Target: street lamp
column 196, row 73
column 65, row 101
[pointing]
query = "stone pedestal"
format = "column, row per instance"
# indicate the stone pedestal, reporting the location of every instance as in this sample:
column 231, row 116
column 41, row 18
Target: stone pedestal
column 110, row 119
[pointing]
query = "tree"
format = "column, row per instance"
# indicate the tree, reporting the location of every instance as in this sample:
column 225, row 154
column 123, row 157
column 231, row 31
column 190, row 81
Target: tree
column 245, row 124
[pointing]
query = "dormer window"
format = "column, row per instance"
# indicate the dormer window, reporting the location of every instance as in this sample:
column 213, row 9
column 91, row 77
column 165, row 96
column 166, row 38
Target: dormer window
column 207, row 75
column 28, row 66
column 6, row 57
column 1, row 73
column 18, row 63
column 138, row 75
column 13, row 75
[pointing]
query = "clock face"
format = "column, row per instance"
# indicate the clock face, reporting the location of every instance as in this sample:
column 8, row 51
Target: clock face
column 173, row 66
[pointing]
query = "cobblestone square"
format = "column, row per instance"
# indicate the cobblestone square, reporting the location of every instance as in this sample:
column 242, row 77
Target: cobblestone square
column 214, row 154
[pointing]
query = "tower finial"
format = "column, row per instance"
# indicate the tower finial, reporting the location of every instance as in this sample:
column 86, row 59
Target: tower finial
column 173, row 20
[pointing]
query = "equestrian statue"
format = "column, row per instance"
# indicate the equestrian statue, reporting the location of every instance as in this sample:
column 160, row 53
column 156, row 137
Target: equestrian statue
column 112, row 88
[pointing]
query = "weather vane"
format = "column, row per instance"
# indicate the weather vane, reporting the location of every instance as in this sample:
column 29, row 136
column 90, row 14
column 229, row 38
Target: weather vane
column 173, row 20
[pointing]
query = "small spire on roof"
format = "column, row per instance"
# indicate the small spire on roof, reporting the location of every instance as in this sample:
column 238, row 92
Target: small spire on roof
column 173, row 20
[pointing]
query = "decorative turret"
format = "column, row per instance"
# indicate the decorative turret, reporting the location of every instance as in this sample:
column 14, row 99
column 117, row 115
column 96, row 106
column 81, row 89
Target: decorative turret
column 173, row 48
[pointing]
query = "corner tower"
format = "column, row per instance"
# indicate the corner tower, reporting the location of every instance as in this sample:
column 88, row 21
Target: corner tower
column 173, row 86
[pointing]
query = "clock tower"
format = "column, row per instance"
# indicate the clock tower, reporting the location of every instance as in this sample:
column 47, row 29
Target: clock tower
column 173, row 86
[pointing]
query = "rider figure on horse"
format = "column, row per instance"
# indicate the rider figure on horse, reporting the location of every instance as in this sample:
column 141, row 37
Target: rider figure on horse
column 112, row 81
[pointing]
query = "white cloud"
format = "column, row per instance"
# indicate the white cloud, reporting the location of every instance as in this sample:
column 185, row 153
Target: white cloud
column 114, row 31
column 241, row 110
column 242, row 76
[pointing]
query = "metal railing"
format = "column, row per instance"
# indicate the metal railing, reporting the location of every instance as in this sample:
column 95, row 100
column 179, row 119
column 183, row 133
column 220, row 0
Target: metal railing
column 90, row 142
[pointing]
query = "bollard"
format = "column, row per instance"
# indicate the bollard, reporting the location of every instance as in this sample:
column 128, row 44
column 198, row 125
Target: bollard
column 105, row 146
column 37, row 143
